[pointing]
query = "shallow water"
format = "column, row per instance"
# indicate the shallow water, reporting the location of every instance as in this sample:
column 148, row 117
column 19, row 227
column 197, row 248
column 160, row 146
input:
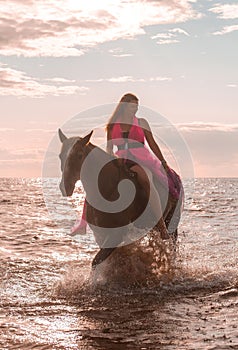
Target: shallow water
column 50, row 299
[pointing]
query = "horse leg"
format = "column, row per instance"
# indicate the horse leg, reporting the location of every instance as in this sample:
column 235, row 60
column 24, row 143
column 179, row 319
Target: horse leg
column 107, row 242
column 102, row 255
column 172, row 217
column 145, row 178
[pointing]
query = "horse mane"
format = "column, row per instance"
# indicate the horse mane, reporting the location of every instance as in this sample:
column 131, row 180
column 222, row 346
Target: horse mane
column 90, row 147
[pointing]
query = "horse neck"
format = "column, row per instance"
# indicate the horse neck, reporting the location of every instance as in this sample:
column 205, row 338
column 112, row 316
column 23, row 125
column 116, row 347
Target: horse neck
column 96, row 159
column 100, row 156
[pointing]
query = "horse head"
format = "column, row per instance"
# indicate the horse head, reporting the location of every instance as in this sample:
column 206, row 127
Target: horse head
column 72, row 156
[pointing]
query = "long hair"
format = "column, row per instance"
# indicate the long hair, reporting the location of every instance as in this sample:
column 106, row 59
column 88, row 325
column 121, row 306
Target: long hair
column 120, row 108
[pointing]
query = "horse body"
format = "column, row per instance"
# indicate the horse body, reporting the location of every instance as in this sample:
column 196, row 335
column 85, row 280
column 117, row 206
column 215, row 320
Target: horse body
column 108, row 213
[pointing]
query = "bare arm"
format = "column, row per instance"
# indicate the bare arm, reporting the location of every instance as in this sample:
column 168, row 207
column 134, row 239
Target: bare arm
column 109, row 148
column 109, row 144
column 151, row 141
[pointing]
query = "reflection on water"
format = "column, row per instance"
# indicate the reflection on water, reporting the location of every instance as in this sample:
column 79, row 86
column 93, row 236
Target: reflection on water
column 50, row 298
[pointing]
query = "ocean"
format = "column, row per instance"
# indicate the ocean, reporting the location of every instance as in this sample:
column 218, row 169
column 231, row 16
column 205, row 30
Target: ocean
column 50, row 298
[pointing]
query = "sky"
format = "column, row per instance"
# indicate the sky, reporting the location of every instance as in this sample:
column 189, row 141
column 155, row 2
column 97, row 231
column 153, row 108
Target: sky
column 59, row 58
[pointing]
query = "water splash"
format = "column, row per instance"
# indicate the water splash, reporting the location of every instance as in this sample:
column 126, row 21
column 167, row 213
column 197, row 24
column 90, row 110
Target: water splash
column 149, row 262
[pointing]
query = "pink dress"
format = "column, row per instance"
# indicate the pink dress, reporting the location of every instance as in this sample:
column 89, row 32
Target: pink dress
column 133, row 148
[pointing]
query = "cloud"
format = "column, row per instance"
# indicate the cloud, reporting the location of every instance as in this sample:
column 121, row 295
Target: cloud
column 160, row 79
column 118, row 52
column 45, row 131
column 215, row 127
column 62, row 28
column 125, row 79
column 128, row 78
column 6, row 129
column 21, row 155
column 167, row 41
column 60, row 80
column 226, row 30
column 170, row 37
column 21, row 163
column 17, row 83
column 120, row 79
column 213, row 147
column 227, row 11
column 21, row 2
column 179, row 31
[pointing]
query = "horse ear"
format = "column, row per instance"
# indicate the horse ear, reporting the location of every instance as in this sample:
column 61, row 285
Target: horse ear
column 86, row 139
column 62, row 136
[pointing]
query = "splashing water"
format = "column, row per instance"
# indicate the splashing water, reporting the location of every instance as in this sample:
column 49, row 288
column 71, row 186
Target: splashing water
column 149, row 262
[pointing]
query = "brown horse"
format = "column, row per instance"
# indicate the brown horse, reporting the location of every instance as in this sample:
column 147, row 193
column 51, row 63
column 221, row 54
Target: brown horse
column 114, row 197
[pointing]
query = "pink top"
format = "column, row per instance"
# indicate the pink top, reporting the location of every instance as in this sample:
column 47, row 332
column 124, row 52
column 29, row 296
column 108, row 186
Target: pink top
column 136, row 133
column 144, row 157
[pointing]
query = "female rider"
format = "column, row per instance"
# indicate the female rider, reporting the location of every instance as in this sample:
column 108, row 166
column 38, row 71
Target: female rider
column 129, row 134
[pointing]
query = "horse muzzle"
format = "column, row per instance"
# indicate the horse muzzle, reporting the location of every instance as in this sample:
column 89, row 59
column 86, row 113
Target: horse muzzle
column 62, row 189
column 66, row 190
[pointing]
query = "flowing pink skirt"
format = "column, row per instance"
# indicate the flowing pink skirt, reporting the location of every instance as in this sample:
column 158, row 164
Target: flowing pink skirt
column 144, row 157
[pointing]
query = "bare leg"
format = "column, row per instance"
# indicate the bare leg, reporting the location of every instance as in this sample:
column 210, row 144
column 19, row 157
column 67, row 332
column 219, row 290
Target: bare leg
column 78, row 228
column 80, row 225
column 153, row 195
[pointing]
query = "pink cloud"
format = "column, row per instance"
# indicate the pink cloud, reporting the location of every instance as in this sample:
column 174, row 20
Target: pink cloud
column 129, row 78
column 226, row 11
column 67, row 28
column 170, row 37
column 19, row 155
column 17, row 83
column 213, row 147
column 227, row 29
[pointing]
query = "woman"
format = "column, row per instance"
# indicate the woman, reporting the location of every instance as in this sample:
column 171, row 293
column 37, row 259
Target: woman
column 129, row 133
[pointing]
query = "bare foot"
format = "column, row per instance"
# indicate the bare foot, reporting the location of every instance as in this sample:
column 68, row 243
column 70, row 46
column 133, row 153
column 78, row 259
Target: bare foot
column 79, row 228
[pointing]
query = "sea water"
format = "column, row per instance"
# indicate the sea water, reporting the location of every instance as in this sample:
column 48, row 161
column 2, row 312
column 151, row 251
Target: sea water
column 51, row 299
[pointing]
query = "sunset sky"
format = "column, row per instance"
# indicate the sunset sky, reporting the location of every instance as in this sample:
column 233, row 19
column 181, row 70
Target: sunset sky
column 61, row 57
